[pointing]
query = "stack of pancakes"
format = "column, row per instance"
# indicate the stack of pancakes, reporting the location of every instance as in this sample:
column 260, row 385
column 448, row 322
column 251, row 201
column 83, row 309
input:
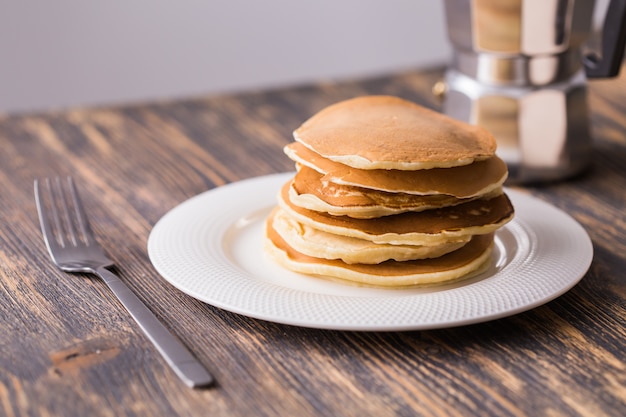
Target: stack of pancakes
column 389, row 193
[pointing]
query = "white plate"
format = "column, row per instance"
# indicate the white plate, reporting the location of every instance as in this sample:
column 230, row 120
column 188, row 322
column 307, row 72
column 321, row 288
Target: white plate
column 211, row 247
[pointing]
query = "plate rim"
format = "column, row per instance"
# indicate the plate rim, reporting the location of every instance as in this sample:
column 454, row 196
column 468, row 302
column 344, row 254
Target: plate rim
column 169, row 218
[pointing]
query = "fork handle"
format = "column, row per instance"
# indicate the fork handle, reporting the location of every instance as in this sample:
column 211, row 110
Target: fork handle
column 175, row 353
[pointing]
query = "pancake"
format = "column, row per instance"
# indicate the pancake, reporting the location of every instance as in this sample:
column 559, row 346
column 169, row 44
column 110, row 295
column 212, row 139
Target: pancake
column 389, row 193
column 462, row 263
column 473, row 180
column 319, row 244
column 384, row 132
column 310, row 191
column 429, row 227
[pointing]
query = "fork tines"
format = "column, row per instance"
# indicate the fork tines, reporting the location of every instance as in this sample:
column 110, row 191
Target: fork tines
column 62, row 216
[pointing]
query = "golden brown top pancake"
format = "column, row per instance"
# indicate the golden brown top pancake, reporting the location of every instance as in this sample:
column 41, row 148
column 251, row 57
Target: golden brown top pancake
column 385, row 132
column 465, row 181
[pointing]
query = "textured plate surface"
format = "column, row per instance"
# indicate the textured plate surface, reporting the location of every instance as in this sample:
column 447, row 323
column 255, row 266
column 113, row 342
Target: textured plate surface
column 211, row 247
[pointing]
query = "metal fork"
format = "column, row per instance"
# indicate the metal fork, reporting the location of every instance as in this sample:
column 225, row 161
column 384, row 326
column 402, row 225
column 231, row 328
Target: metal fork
column 73, row 248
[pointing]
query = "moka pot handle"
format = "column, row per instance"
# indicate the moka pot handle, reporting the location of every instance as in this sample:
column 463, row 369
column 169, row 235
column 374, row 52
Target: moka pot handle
column 608, row 64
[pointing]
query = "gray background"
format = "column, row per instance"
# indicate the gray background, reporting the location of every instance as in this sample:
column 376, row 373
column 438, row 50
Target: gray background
column 77, row 52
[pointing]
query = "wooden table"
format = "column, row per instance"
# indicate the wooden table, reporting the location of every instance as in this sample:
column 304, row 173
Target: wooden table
column 68, row 348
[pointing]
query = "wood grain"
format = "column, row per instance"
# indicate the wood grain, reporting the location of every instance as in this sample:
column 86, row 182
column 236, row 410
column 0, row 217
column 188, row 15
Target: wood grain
column 68, row 348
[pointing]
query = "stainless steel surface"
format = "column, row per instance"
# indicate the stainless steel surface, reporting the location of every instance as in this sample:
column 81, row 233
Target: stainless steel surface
column 543, row 134
column 517, row 70
column 532, row 42
column 73, row 248
column 522, row 70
